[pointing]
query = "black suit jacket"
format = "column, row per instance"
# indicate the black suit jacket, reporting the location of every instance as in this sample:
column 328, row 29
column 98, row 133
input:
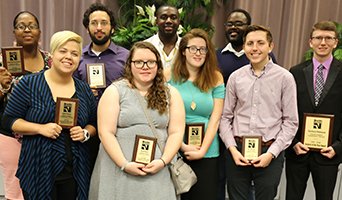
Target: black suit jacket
column 330, row 103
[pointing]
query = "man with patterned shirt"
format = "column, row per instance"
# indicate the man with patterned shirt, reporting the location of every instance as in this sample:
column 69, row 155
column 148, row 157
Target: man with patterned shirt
column 260, row 102
column 231, row 58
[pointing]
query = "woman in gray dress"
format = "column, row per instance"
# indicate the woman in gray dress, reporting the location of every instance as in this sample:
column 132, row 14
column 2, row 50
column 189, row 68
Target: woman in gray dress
column 121, row 117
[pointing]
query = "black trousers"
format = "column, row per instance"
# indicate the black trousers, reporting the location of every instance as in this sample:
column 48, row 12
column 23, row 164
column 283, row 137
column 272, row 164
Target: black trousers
column 222, row 171
column 223, row 177
column 297, row 174
column 65, row 190
column 62, row 190
column 206, row 188
column 266, row 180
column 93, row 144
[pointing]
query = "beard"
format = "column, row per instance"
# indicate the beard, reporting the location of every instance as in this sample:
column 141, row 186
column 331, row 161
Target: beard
column 237, row 41
column 99, row 41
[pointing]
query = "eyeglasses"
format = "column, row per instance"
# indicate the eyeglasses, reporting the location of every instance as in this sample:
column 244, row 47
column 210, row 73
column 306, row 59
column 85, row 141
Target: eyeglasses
column 236, row 24
column 22, row 27
column 139, row 64
column 194, row 49
column 327, row 39
column 96, row 23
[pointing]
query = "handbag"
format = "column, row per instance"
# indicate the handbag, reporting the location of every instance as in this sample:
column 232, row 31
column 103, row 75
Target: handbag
column 183, row 177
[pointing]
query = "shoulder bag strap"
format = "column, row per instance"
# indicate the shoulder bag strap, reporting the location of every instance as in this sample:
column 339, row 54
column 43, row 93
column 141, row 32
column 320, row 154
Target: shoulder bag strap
column 154, row 131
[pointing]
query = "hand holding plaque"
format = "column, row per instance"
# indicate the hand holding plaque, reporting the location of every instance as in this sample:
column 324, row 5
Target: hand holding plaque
column 251, row 147
column 144, row 149
column 66, row 112
column 194, row 134
column 317, row 130
column 13, row 60
column 96, row 75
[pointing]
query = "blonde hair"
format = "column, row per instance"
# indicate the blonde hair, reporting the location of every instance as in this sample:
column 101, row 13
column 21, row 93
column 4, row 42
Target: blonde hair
column 60, row 38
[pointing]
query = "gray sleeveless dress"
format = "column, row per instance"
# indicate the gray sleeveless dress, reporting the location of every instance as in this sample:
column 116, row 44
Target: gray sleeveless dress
column 108, row 181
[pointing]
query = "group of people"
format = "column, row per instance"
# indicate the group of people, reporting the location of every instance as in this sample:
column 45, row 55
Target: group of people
column 170, row 83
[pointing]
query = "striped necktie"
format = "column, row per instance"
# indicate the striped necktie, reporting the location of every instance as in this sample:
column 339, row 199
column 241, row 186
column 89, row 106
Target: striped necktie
column 319, row 84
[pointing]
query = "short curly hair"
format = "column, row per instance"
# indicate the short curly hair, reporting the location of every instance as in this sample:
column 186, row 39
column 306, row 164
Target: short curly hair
column 248, row 16
column 98, row 7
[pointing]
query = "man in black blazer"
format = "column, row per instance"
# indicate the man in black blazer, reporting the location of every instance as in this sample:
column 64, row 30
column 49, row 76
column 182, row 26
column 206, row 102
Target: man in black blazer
column 300, row 160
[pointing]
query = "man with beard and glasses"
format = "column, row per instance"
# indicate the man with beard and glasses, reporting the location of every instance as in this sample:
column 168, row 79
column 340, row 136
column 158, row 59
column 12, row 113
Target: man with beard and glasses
column 166, row 40
column 99, row 22
column 231, row 58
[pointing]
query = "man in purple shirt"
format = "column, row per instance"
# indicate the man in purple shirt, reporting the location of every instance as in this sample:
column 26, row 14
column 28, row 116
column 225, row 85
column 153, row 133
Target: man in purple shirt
column 99, row 22
column 301, row 161
column 260, row 101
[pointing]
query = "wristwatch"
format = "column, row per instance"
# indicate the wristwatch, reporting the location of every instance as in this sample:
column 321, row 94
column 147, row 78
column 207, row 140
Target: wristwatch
column 86, row 135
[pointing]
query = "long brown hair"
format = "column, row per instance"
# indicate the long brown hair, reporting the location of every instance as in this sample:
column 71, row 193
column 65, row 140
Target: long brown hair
column 208, row 75
column 157, row 94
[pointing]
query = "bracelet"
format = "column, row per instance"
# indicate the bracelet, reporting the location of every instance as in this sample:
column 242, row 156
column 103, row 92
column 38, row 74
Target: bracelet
column 163, row 161
column 124, row 166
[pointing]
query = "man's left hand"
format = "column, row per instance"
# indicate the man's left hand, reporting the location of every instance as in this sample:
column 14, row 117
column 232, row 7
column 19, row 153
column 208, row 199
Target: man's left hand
column 263, row 160
column 328, row 152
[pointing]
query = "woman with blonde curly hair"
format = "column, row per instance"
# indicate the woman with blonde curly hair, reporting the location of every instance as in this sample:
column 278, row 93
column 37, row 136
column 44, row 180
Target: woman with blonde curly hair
column 121, row 116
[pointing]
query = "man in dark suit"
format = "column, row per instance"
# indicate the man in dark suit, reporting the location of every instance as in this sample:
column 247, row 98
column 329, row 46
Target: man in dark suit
column 323, row 71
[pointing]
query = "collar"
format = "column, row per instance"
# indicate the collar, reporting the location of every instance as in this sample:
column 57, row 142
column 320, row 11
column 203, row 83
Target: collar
column 112, row 47
column 326, row 63
column 230, row 48
column 267, row 67
column 161, row 44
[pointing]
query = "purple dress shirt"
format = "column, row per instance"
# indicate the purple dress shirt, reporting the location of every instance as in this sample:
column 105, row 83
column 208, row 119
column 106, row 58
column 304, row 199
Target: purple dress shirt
column 264, row 106
column 114, row 59
column 326, row 68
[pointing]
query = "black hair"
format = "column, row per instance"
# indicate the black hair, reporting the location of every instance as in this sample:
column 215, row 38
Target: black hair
column 248, row 16
column 22, row 12
column 98, row 7
column 158, row 7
